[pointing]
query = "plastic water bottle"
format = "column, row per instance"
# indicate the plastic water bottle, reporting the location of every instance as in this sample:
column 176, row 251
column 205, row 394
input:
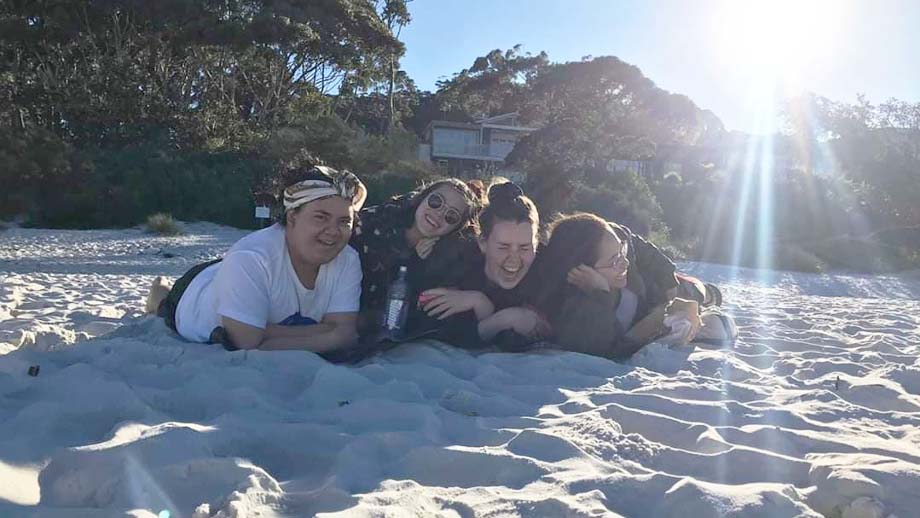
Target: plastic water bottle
column 397, row 308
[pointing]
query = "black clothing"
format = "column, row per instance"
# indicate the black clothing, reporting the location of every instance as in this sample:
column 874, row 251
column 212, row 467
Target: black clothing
column 463, row 330
column 587, row 322
column 380, row 240
column 167, row 308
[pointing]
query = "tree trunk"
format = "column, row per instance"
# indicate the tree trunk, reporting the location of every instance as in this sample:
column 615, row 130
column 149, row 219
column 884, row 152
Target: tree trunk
column 392, row 104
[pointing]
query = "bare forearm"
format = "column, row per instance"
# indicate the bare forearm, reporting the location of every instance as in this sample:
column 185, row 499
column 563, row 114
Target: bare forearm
column 320, row 337
column 483, row 308
column 276, row 331
column 326, row 338
column 492, row 325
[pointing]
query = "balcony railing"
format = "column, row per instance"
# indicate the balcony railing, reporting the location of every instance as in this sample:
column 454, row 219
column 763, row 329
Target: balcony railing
column 475, row 151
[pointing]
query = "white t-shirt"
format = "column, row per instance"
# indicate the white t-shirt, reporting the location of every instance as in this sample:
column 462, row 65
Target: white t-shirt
column 256, row 284
column 626, row 311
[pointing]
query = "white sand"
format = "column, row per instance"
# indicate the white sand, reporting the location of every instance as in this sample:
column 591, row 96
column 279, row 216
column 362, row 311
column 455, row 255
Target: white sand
column 815, row 412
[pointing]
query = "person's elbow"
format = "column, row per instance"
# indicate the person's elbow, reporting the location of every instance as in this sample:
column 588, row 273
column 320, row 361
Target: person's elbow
column 246, row 342
column 345, row 336
column 344, row 332
column 246, row 345
column 243, row 336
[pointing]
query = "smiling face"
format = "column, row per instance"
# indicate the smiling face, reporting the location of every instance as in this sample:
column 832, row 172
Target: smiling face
column 318, row 231
column 441, row 212
column 612, row 262
column 509, row 251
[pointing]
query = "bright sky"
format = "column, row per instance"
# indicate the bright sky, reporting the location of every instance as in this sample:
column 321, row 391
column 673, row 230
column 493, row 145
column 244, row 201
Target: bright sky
column 723, row 54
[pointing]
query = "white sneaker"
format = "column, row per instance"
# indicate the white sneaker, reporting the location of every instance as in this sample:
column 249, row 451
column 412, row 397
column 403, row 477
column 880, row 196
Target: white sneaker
column 718, row 328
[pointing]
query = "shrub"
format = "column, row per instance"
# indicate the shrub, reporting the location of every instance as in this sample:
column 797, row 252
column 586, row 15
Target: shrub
column 371, row 154
column 120, row 187
column 861, row 254
column 28, row 159
column 163, row 224
column 795, row 257
column 621, row 197
column 661, row 238
column 402, row 178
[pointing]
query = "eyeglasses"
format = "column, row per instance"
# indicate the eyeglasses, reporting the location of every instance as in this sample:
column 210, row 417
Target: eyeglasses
column 451, row 216
column 620, row 258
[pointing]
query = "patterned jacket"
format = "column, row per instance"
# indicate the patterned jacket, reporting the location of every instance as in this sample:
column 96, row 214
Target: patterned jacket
column 379, row 238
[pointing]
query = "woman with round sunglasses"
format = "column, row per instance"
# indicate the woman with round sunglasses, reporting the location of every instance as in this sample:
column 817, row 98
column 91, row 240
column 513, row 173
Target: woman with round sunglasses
column 428, row 231
column 609, row 292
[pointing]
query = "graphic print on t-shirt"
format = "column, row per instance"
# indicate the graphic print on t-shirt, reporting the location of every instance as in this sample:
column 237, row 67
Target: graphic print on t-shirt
column 297, row 320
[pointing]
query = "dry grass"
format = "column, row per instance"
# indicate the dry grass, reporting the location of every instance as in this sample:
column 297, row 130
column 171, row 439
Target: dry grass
column 163, row 224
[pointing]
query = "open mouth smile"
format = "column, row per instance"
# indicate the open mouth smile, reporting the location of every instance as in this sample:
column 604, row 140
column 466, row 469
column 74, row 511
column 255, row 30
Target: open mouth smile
column 512, row 270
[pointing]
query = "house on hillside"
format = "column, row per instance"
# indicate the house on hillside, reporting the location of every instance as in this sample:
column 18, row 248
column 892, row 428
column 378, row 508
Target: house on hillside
column 782, row 155
column 473, row 149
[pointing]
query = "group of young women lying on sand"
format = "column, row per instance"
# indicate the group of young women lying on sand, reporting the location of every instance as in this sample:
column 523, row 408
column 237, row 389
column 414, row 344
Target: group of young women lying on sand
column 477, row 276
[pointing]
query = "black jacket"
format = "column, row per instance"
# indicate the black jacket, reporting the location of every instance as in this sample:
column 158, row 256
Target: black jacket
column 380, row 241
column 463, row 330
column 586, row 322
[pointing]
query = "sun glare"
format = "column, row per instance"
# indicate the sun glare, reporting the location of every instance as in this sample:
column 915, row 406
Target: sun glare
column 775, row 46
column 776, row 39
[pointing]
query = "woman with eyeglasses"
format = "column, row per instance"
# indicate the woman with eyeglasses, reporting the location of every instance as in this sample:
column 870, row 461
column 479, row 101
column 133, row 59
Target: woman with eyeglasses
column 428, row 231
column 609, row 292
column 493, row 303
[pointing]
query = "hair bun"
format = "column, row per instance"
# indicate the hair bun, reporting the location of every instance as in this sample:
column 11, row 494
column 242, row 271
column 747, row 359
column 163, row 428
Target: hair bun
column 478, row 188
column 504, row 191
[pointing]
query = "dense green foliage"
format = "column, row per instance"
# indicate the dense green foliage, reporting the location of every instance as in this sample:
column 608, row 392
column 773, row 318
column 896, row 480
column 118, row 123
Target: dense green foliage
column 113, row 111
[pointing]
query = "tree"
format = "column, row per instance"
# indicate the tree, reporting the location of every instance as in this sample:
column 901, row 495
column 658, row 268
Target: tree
column 593, row 112
column 494, row 84
column 135, row 102
column 876, row 147
column 208, row 71
column 396, row 15
column 625, row 198
column 378, row 111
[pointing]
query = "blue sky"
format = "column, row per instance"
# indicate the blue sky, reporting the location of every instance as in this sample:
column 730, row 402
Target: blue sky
column 714, row 51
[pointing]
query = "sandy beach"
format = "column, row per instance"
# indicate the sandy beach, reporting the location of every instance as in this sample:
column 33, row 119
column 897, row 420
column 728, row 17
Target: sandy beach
column 814, row 412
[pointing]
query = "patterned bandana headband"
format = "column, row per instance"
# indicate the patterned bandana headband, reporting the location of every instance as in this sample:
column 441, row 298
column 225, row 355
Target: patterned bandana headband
column 330, row 183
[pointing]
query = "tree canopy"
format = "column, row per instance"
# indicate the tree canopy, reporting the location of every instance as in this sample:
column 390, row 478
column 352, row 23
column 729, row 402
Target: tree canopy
column 113, row 110
column 206, row 71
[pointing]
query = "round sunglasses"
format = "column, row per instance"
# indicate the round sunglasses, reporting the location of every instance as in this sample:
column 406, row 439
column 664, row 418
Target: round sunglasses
column 451, row 216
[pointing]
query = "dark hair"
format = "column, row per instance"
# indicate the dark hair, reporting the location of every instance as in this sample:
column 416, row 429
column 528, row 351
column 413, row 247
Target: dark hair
column 470, row 196
column 507, row 203
column 573, row 240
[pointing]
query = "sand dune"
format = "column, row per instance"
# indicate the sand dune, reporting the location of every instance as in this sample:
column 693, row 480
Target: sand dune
column 814, row 412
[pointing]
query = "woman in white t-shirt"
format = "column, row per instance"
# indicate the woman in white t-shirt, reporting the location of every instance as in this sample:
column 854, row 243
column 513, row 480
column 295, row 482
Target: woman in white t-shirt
column 294, row 285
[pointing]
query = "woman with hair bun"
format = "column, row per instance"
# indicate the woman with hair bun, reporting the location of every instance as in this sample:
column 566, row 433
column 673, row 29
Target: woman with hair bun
column 498, row 293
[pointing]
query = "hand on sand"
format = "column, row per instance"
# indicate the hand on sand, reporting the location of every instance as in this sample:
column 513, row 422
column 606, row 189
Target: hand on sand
column 683, row 317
